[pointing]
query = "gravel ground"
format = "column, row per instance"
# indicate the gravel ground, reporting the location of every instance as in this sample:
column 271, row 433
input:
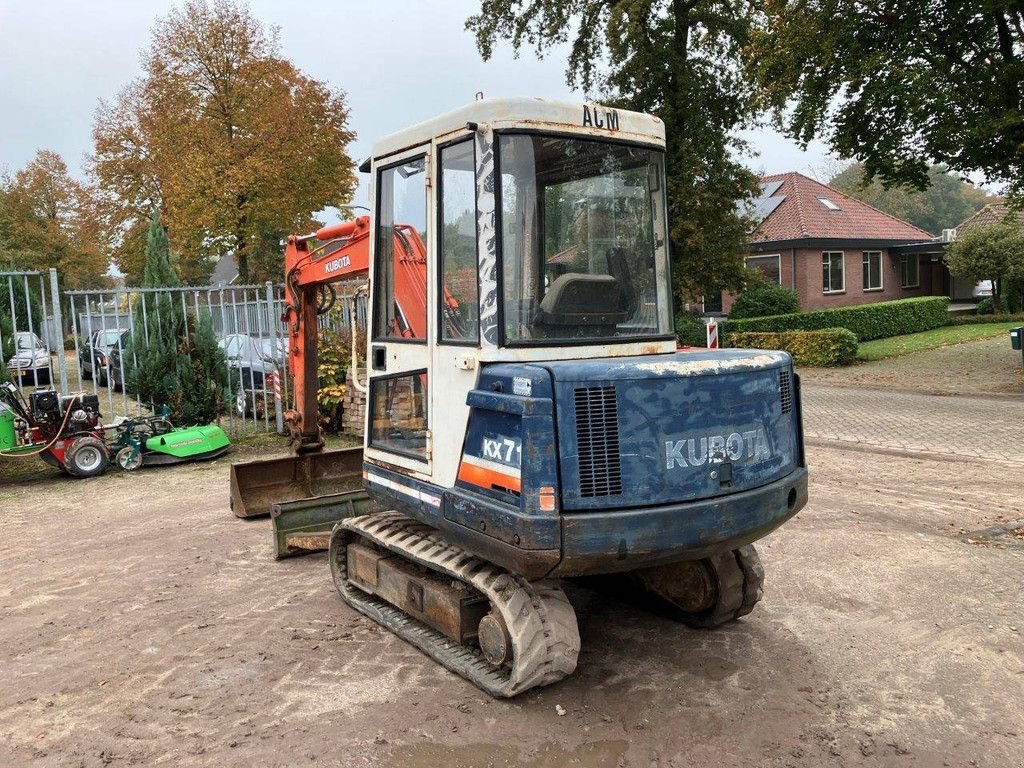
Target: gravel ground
column 143, row 624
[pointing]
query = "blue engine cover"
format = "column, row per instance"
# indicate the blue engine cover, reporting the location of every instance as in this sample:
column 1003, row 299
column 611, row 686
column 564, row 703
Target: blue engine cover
column 642, row 431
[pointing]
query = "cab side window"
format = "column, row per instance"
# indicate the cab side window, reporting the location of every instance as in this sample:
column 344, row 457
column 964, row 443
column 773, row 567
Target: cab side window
column 400, row 279
column 459, row 297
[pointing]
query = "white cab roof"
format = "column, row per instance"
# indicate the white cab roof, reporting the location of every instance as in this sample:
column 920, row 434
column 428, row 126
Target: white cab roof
column 526, row 114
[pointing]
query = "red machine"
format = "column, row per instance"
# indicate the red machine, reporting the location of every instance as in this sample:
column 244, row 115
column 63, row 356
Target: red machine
column 65, row 432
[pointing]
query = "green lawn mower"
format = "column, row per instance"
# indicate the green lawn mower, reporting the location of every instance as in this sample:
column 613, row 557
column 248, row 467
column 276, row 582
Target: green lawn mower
column 154, row 441
column 67, row 432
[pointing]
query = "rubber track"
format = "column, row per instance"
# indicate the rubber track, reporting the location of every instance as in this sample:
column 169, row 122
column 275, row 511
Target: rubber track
column 753, row 578
column 539, row 617
column 739, row 584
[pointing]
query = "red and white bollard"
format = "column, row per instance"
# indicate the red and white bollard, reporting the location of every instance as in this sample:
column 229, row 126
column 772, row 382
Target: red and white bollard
column 712, row 334
column 275, row 377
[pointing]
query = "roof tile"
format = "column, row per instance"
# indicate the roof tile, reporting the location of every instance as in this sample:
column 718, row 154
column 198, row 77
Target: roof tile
column 803, row 215
column 995, row 212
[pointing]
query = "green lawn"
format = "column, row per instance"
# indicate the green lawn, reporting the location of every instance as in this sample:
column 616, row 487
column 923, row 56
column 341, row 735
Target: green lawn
column 938, row 337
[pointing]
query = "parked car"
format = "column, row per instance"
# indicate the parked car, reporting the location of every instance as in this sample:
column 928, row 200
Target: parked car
column 250, row 359
column 115, row 370
column 30, row 363
column 94, row 354
column 982, row 289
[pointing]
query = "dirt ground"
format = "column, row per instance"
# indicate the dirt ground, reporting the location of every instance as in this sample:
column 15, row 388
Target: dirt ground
column 987, row 366
column 143, row 624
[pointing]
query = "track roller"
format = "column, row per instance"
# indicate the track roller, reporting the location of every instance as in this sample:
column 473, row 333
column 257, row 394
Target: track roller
column 494, row 628
column 710, row 592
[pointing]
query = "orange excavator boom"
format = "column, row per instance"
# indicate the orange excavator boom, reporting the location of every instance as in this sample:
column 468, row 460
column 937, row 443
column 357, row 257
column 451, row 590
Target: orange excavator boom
column 334, row 253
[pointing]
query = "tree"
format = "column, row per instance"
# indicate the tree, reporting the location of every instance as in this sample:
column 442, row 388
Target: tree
column 993, row 253
column 225, row 136
column 173, row 356
column 898, row 84
column 203, row 376
column 762, row 298
column 47, row 222
column 155, row 355
column 676, row 60
column 947, row 201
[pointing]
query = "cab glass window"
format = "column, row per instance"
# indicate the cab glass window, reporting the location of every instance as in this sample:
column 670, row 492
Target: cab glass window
column 583, row 240
column 457, row 236
column 398, row 414
column 400, row 279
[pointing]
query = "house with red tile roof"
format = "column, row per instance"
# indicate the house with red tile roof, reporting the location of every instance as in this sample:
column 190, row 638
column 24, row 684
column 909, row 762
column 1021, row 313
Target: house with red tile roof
column 836, row 251
column 996, row 212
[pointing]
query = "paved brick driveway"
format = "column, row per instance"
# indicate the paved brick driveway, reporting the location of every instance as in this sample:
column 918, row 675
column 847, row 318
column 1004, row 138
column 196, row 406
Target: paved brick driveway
column 976, row 427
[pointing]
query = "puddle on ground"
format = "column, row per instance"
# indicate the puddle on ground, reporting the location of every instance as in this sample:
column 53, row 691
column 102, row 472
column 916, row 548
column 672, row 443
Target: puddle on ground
column 1004, row 536
column 597, row 754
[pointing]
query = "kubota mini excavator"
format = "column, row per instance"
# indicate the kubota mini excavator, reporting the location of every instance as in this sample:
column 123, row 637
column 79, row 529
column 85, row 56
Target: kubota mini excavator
column 529, row 416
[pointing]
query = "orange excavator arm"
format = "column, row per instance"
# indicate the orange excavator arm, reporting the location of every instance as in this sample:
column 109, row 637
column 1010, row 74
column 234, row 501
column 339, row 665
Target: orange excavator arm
column 342, row 251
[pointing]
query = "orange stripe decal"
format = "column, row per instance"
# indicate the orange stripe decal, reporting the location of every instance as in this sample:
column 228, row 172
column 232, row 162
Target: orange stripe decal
column 485, row 477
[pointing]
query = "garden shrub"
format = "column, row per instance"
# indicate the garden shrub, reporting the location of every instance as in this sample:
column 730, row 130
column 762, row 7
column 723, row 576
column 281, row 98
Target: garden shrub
column 1002, row 317
column 826, row 348
column 866, row 321
column 985, row 307
column 764, row 299
column 691, row 330
column 334, row 356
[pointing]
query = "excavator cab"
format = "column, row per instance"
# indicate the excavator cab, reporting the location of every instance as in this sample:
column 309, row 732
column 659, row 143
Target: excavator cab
column 529, row 416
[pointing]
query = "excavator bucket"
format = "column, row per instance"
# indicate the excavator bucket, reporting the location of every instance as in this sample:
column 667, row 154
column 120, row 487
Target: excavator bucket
column 305, row 525
column 257, row 485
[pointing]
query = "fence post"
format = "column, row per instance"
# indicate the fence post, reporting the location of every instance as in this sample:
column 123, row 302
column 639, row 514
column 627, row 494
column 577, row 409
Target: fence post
column 58, row 321
column 278, row 411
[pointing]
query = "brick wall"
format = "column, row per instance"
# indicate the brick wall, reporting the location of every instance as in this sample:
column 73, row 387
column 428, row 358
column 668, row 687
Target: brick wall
column 354, row 409
column 808, row 282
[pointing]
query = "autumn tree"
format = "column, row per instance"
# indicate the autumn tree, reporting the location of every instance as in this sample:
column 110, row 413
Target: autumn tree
column 224, row 135
column 47, row 222
column 947, row 200
column 898, row 84
column 676, row 60
column 995, row 253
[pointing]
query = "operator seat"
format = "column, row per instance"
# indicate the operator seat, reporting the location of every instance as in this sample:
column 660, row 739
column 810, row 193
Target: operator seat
column 579, row 305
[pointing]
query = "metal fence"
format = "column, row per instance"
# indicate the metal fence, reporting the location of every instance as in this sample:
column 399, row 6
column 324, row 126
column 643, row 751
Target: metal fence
column 92, row 353
column 30, row 319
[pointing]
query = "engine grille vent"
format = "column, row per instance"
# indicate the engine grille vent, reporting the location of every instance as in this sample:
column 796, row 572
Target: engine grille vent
column 597, row 436
column 786, row 390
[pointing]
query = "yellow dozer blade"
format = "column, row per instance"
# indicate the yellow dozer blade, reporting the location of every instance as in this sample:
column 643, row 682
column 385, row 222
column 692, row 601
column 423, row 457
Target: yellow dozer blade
column 257, row 485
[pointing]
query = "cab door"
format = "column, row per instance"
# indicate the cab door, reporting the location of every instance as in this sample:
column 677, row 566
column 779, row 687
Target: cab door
column 398, row 429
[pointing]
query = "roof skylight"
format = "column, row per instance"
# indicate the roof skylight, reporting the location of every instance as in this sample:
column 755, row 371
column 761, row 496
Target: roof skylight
column 829, row 204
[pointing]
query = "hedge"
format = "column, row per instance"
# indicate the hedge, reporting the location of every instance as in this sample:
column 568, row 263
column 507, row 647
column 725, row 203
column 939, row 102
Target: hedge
column 825, row 348
column 691, row 330
column 1002, row 317
column 867, row 321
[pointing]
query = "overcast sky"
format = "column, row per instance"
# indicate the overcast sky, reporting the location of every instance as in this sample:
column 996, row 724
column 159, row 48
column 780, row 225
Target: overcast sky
column 399, row 62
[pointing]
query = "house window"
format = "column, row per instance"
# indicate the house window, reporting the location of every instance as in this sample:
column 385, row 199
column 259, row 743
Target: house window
column 833, row 272
column 830, row 204
column 910, row 270
column 769, row 266
column 872, row 270
column 712, row 303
